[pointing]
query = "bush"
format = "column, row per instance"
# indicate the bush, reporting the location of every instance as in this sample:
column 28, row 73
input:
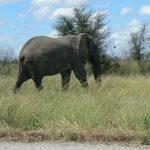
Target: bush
column 8, row 69
column 7, row 61
column 145, row 67
column 130, row 67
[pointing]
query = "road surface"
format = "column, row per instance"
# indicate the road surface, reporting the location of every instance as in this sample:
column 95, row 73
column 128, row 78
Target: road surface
column 67, row 146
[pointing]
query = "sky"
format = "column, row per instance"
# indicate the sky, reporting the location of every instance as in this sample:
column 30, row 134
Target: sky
column 21, row 20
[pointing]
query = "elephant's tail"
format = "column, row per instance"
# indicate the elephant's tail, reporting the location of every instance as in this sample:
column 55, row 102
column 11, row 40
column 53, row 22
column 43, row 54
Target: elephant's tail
column 21, row 62
column 23, row 70
column 21, row 59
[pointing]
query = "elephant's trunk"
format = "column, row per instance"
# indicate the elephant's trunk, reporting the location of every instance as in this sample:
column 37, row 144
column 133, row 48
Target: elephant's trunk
column 96, row 71
column 95, row 61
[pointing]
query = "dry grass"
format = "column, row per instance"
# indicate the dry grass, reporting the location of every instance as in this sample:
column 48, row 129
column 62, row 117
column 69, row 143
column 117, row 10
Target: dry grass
column 118, row 109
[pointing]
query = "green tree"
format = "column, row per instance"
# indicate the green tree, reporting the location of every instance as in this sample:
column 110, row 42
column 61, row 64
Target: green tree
column 65, row 26
column 138, row 43
column 85, row 21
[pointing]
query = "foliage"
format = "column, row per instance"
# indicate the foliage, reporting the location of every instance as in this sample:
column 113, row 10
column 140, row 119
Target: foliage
column 129, row 67
column 85, row 21
column 6, row 55
column 111, row 65
column 147, row 122
column 8, row 69
column 138, row 43
column 105, row 107
column 7, row 61
column 65, row 26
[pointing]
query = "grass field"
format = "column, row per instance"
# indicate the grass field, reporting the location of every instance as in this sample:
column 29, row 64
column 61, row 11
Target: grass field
column 116, row 110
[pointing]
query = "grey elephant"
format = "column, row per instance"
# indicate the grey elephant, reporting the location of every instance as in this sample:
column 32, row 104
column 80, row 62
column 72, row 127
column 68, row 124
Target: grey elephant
column 44, row 56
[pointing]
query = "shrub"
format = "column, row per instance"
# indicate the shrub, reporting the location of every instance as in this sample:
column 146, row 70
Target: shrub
column 130, row 67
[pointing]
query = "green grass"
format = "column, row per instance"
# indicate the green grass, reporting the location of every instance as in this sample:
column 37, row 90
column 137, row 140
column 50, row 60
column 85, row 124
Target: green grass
column 117, row 109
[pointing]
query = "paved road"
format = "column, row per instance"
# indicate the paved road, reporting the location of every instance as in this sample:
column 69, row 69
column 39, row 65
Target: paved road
column 68, row 146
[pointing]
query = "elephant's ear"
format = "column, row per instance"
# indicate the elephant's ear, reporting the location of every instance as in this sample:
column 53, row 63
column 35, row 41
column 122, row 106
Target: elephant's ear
column 82, row 45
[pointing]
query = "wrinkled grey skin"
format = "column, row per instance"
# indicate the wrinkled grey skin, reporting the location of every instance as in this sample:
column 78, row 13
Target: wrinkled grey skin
column 44, row 56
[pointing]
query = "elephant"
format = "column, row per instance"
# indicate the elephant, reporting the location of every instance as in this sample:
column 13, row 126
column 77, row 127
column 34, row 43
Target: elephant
column 45, row 56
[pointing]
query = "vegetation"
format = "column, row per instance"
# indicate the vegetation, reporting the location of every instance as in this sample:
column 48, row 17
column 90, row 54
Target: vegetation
column 138, row 43
column 94, row 23
column 86, row 21
column 118, row 109
column 8, row 62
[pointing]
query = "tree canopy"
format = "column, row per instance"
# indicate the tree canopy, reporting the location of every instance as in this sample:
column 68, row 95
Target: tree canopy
column 85, row 21
column 137, row 43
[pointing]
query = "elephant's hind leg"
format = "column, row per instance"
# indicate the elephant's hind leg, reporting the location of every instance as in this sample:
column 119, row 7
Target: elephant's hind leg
column 22, row 77
column 36, row 77
column 65, row 76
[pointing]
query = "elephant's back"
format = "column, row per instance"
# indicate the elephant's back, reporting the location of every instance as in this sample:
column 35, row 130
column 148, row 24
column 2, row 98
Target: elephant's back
column 44, row 42
column 45, row 47
column 36, row 42
column 37, row 45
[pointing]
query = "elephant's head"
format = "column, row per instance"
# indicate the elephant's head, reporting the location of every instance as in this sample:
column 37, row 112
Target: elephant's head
column 89, row 51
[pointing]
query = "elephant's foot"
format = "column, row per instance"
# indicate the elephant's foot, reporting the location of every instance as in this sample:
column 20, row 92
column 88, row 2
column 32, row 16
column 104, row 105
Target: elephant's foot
column 85, row 85
column 15, row 90
column 39, row 88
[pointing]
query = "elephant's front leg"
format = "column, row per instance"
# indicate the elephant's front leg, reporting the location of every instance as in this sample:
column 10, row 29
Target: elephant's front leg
column 38, row 83
column 80, row 73
column 65, row 76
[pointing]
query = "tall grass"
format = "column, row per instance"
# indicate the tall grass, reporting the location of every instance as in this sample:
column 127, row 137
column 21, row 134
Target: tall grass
column 117, row 105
